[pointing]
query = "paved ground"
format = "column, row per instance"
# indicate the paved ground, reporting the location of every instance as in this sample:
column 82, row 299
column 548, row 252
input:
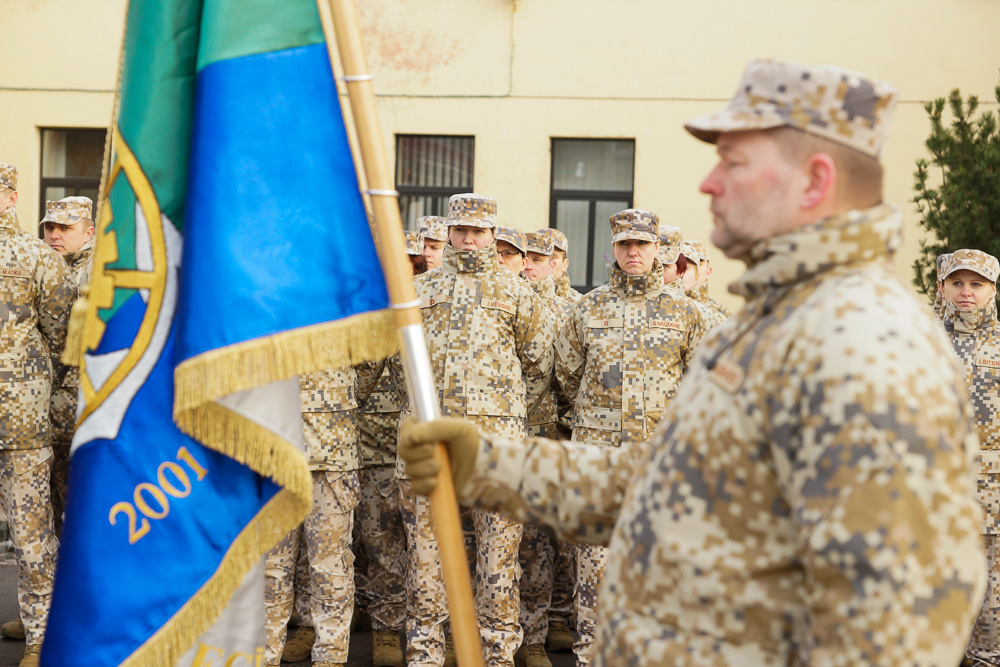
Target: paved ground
column 11, row 651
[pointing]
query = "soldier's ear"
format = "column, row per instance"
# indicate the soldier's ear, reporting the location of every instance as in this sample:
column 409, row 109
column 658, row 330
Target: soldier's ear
column 88, row 233
column 820, row 172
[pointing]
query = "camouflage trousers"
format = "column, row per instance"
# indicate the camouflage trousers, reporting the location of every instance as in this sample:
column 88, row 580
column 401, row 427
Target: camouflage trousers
column 563, row 583
column 496, row 585
column 302, row 609
column 536, row 558
column 984, row 645
column 590, row 563
column 24, row 498
column 62, row 416
column 327, row 536
column 384, row 539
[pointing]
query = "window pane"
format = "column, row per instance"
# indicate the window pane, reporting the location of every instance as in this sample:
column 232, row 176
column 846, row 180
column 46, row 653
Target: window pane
column 603, row 255
column 72, row 153
column 572, row 219
column 589, row 164
column 412, row 207
column 445, row 162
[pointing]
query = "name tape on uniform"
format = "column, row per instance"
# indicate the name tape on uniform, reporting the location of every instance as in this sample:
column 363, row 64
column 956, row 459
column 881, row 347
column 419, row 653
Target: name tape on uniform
column 605, row 322
column 987, row 362
column 14, row 273
column 665, row 324
column 498, row 305
column 727, row 374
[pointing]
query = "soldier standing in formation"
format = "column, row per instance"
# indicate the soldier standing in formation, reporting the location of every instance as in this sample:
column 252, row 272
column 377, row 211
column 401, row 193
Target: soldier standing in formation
column 330, row 428
column 618, row 359
column 970, row 318
column 561, row 249
column 36, row 295
column 810, row 498
column 490, row 348
column 68, row 229
column 511, row 244
column 700, row 290
column 435, row 234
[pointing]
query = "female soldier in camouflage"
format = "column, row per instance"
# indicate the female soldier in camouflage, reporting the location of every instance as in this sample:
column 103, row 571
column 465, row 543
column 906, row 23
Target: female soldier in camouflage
column 970, row 317
column 619, row 358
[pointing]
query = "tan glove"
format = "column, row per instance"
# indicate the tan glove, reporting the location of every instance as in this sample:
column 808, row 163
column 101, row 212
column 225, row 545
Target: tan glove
column 416, row 448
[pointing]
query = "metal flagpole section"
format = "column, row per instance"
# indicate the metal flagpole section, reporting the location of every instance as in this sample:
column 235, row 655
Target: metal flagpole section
column 406, row 313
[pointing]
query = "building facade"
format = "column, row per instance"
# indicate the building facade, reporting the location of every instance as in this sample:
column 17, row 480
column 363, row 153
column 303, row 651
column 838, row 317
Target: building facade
column 563, row 110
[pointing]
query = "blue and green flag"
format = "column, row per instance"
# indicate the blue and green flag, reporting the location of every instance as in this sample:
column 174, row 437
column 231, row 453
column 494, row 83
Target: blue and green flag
column 233, row 253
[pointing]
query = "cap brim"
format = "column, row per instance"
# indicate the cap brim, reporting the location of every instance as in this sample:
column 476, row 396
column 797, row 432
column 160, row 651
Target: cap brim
column 56, row 221
column 638, row 236
column 709, row 127
column 668, row 256
column 470, row 222
column 968, row 266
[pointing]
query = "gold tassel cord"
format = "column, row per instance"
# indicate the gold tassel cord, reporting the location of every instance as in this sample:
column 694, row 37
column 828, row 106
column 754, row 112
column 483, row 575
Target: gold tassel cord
column 338, row 344
column 73, row 350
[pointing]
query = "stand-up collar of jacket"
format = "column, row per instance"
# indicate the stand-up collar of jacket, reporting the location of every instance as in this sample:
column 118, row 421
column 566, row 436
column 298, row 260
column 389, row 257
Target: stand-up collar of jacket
column 8, row 222
column 80, row 255
column 644, row 284
column 852, row 238
column 470, row 261
column 967, row 321
column 545, row 288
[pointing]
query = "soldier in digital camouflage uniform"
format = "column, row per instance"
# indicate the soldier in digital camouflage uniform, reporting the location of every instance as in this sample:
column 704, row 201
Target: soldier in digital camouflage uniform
column 329, row 402
column 810, row 497
column 561, row 250
column 700, row 291
column 510, row 249
column 677, row 267
column 36, row 294
column 626, row 345
column 538, row 551
column 561, row 612
column 970, row 317
column 378, row 512
column 690, row 284
column 939, row 300
column 68, row 227
column 435, row 235
column 490, row 347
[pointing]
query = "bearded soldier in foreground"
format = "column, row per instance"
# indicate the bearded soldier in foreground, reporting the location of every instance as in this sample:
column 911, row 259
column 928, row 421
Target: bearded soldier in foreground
column 810, row 495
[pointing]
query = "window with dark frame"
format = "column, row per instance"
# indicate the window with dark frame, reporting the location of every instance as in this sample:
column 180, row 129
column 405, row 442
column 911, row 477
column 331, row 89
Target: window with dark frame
column 591, row 180
column 71, row 164
column 429, row 170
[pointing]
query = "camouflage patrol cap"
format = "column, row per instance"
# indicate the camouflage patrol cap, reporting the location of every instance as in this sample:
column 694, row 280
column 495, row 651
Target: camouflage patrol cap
column 942, row 264
column 825, row 100
column 974, row 260
column 433, row 227
column 701, row 249
column 8, row 176
column 559, row 240
column 68, row 211
column 414, row 243
column 635, row 223
column 540, row 243
column 472, row 210
column 690, row 252
column 670, row 244
column 515, row 237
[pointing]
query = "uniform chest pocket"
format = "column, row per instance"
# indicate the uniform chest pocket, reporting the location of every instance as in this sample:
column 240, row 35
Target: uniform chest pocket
column 15, row 291
column 604, row 369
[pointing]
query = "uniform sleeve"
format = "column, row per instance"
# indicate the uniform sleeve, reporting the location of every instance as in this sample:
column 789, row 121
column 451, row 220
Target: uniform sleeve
column 695, row 332
column 872, row 454
column 571, row 355
column 575, row 489
column 53, row 302
column 534, row 332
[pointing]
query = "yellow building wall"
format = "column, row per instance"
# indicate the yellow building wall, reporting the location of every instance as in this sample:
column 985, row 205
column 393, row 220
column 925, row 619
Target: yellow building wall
column 517, row 73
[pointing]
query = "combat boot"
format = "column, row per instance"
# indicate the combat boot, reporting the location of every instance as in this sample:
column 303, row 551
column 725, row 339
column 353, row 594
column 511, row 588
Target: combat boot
column 13, row 629
column 31, row 653
column 300, row 645
column 385, row 649
column 531, row 655
column 559, row 639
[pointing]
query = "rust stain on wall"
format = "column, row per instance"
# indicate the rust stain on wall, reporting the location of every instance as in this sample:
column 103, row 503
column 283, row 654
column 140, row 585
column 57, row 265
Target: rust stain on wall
column 406, row 50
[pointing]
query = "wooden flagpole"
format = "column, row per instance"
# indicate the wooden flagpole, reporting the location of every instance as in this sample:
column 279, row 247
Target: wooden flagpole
column 396, row 267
